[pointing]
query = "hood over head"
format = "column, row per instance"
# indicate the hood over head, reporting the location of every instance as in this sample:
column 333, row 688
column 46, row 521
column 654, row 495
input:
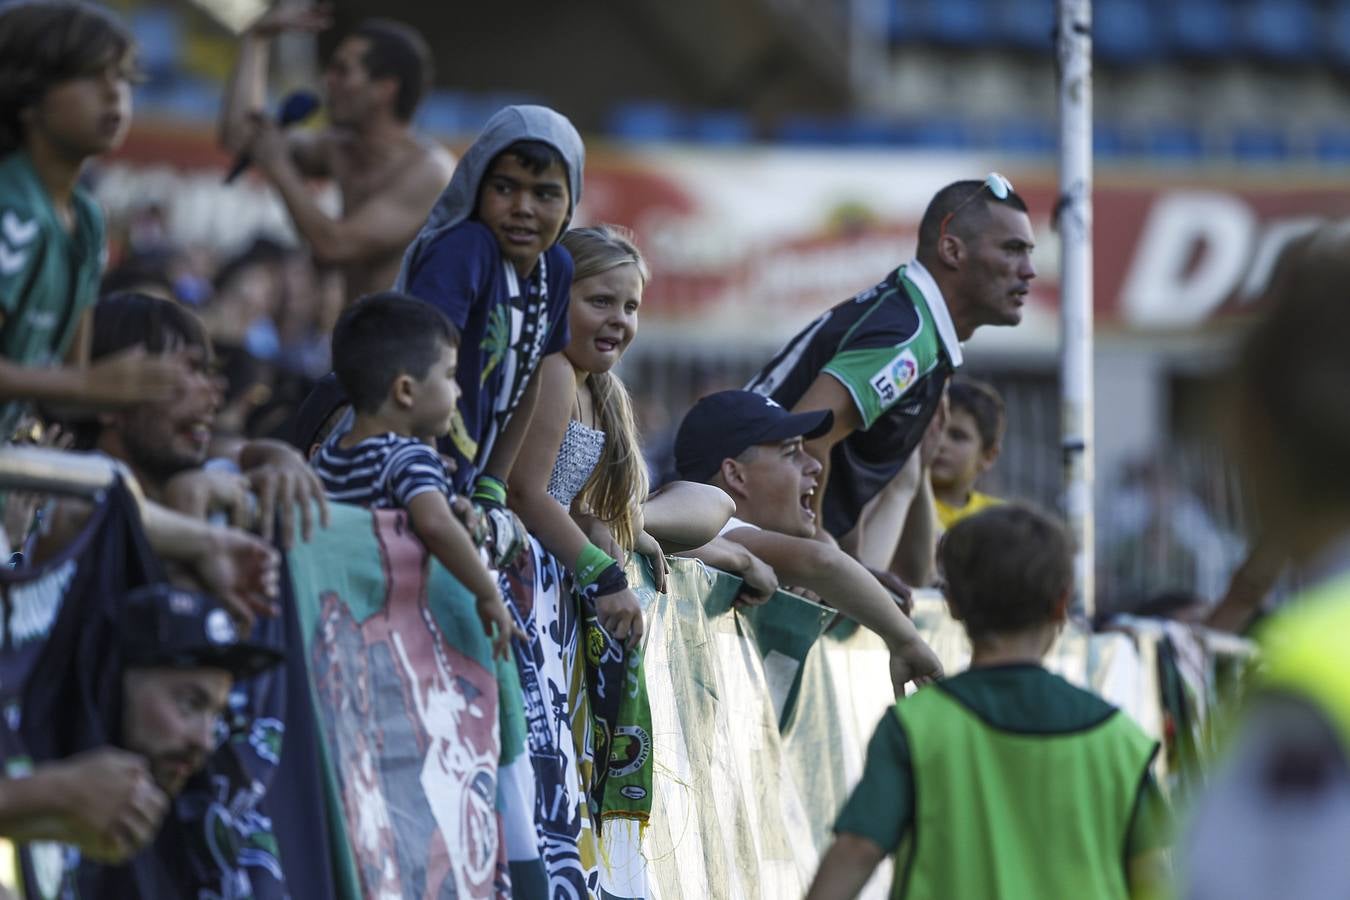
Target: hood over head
column 507, row 126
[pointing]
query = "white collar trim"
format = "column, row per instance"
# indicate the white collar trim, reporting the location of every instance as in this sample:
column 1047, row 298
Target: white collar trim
column 937, row 308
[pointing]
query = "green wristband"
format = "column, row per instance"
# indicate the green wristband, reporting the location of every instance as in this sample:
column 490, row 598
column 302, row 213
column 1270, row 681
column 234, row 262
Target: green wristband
column 491, row 489
column 590, row 564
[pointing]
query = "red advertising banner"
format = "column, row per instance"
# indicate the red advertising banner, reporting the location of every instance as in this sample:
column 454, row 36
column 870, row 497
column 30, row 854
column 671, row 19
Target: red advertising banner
column 756, row 240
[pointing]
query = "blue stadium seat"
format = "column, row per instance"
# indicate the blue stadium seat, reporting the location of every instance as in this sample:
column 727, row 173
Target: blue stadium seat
column 866, row 131
column 1199, row 28
column 959, row 23
column 463, row 113
column 934, row 133
column 903, row 20
column 1333, row 145
column 1027, row 24
column 1173, row 142
column 721, row 127
column 1260, row 143
column 187, row 98
column 1109, row 141
column 810, row 131
column 158, row 33
column 1336, row 34
column 444, row 113
column 645, row 121
column 475, row 109
column 1025, row 136
column 1281, row 30
column 1123, row 31
column 937, row 134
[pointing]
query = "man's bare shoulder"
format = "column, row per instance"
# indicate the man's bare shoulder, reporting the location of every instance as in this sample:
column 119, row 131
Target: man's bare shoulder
column 430, row 162
column 412, row 166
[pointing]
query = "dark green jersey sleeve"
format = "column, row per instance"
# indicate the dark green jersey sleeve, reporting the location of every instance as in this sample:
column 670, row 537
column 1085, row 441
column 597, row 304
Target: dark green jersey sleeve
column 21, row 248
column 881, row 807
column 886, row 352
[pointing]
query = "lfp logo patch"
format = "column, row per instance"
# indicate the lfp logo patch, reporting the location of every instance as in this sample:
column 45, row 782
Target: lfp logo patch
column 895, row 377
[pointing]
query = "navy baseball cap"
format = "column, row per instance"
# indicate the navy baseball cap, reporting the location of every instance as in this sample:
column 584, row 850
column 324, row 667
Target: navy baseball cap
column 725, row 424
column 163, row 625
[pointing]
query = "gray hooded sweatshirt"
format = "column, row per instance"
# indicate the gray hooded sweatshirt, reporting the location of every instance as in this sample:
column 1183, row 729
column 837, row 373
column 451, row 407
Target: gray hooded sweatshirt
column 507, row 323
column 460, row 197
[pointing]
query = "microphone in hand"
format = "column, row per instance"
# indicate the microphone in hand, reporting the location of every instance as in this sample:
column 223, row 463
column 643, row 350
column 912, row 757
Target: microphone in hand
column 295, row 108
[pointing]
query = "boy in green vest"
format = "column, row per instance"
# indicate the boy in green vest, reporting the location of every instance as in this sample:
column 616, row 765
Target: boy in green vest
column 65, row 97
column 1004, row 781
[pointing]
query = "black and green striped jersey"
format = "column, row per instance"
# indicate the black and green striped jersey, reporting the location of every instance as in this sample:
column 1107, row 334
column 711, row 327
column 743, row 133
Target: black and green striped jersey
column 893, row 347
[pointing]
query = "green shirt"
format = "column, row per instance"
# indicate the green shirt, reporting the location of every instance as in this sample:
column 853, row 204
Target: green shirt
column 48, row 276
column 1023, row 701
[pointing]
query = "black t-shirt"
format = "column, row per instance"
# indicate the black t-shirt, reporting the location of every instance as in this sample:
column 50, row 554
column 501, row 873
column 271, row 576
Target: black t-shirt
column 55, row 616
column 256, row 805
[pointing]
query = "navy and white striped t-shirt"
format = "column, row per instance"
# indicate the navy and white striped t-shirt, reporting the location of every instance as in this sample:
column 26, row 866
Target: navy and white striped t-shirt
column 383, row 471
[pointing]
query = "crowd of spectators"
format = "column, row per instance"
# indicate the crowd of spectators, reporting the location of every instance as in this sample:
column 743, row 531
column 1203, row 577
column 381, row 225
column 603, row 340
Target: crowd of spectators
column 475, row 394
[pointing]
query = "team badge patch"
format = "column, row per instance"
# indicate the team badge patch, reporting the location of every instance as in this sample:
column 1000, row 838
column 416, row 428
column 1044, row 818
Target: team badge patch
column 629, row 752
column 894, row 378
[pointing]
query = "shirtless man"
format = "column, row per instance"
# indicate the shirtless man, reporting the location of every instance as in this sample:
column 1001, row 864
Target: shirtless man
column 388, row 176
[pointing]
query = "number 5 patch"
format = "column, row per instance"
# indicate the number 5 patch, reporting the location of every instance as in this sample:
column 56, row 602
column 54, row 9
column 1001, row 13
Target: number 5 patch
column 894, row 378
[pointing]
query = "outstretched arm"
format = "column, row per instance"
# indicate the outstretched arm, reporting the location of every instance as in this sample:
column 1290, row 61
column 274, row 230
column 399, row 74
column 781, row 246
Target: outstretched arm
column 915, row 556
column 826, row 392
column 447, row 540
column 758, row 579
column 527, row 489
column 845, row 868
column 845, row 584
column 545, row 517
column 383, row 224
column 246, row 92
column 1249, row 587
column 237, row 567
column 683, row 515
column 501, row 463
column 916, row 551
column 128, row 377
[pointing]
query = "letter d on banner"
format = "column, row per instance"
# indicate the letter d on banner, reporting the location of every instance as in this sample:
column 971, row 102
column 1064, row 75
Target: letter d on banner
column 1159, row 291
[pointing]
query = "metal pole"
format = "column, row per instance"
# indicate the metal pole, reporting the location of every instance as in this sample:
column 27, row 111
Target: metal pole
column 43, row 471
column 1074, row 214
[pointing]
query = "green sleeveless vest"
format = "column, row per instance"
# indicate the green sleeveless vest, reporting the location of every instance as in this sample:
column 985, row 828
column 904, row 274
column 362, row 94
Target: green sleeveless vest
column 998, row 814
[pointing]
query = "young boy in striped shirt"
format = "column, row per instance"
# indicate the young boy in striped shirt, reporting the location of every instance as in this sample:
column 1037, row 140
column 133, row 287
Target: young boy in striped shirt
column 395, row 357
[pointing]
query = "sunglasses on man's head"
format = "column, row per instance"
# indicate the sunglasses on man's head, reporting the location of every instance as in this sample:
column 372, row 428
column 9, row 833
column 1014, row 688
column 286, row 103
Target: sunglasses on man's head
column 999, row 186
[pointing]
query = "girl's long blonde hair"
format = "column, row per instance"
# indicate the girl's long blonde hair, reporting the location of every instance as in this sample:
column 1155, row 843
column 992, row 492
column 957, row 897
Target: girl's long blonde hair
column 616, row 489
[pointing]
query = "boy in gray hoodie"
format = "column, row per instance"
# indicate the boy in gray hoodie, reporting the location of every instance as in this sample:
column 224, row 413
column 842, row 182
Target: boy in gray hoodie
column 488, row 257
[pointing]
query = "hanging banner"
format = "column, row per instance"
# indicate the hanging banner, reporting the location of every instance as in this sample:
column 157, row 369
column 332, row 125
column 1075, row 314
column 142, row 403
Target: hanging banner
column 754, row 241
